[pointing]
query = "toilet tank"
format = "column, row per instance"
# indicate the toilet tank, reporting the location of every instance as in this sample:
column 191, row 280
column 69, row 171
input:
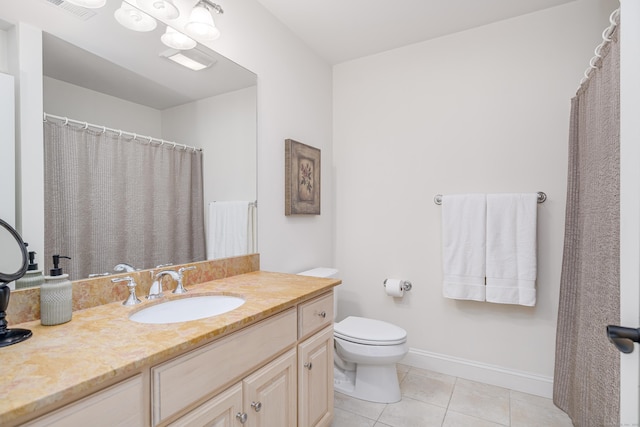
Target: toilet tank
column 327, row 273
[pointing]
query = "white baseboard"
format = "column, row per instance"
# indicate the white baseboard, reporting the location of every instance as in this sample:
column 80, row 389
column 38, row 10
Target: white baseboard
column 522, row 381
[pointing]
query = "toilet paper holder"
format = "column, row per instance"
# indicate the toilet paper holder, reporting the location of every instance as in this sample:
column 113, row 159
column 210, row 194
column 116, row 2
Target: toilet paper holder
column 406, row 285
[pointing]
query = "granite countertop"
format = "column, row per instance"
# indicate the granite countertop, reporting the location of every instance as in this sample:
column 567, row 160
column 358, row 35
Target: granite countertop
column 100, row 343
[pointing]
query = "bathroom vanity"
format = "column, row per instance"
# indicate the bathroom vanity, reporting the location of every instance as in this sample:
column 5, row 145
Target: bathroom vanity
column 268, row 362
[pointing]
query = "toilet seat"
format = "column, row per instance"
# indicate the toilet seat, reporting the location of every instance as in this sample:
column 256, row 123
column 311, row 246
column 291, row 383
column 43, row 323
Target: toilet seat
column 365, row 331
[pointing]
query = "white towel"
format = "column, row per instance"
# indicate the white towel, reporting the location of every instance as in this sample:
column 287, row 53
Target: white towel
column 511, row 248
column 463, row 246
column 228, row 229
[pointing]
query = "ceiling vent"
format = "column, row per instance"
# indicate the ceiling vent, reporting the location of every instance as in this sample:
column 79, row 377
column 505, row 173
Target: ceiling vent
column 76, row 11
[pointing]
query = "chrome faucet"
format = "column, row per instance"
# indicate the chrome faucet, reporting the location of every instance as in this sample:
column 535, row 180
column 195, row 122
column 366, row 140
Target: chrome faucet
column 124, row 267
column 156, row 291
column 156, row 288
column 92, row 275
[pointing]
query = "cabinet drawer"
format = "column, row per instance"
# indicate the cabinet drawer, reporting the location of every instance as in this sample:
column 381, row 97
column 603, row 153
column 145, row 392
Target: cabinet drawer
column 190, row 378
column 315, row 314
column 119, row 405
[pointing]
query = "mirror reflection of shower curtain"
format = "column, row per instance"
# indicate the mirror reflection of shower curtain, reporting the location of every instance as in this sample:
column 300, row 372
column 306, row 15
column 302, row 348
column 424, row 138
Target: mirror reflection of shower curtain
column 587, row 369
column 110, row 199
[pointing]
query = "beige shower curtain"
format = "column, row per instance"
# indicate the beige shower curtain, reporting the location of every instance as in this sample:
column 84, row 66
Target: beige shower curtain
column 586, row 380
column 112, row 199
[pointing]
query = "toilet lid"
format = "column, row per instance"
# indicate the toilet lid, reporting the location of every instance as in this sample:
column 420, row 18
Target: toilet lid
column 369, row 331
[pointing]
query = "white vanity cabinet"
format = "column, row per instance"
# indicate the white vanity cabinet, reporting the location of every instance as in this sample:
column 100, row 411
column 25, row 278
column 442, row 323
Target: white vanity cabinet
column 315, row 362
column 119, row 405
column 277, row 372
column 295, row 389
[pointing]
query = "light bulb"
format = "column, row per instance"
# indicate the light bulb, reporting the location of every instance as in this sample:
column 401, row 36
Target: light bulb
column 134, row 19
column 201, row 24
column 162, row 8
column 177, row 40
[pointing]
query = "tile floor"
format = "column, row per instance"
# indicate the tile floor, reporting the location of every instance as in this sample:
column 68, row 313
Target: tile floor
column 433, row 399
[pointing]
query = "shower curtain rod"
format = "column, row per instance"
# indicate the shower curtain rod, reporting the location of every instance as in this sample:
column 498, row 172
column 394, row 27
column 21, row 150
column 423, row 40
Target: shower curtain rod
column 606, row 38
column 542, row 196
column 134, row 136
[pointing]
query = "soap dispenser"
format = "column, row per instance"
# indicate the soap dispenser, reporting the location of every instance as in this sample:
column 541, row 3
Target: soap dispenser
column 56, row 296
column 33, row 277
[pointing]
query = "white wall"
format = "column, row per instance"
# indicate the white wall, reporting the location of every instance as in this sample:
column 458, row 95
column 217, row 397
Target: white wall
column 485, row 110
column 24, row 60
column 225, row 127
column 629, row 204
column 7, row 155
column 75, row 102
column 4, row 60
column 7, row 149
column 7, row 167
column 294, row 101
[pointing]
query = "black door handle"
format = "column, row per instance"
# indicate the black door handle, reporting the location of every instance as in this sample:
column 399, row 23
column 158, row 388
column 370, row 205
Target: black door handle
column 623, row 338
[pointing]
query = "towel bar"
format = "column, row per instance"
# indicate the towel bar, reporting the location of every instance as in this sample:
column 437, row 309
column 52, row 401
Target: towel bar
column 541, row 198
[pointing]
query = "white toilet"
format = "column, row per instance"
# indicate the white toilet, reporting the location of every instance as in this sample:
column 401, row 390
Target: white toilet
column 366, row 353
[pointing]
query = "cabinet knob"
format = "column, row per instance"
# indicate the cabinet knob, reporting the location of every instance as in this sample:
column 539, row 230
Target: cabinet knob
column 257, row 406
column 308, row 365
column 322, row 314
column 242, row 417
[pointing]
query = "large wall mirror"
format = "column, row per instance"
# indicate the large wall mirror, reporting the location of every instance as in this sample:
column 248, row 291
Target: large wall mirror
column 97, row 71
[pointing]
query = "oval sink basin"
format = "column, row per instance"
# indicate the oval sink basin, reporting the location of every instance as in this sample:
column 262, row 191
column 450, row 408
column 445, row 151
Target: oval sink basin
column 185, row 309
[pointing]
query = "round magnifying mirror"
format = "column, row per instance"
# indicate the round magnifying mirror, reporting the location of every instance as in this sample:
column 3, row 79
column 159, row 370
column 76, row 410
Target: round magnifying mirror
column 13, row 265
column 13, row 254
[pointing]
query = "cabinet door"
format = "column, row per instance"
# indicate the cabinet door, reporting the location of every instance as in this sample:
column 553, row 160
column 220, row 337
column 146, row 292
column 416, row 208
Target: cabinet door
column 315, row 379
column 270, row 393
column 220, row 411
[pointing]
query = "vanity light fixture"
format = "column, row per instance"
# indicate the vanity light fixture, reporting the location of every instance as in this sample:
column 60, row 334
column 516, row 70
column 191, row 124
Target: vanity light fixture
column 193, row 59
column 163, row 8
column 89, row 4
column 134, row 19
column 201, row 25
column 177, row 40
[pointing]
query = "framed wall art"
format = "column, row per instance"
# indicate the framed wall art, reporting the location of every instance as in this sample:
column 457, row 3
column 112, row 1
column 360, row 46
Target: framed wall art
column 302, row 179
